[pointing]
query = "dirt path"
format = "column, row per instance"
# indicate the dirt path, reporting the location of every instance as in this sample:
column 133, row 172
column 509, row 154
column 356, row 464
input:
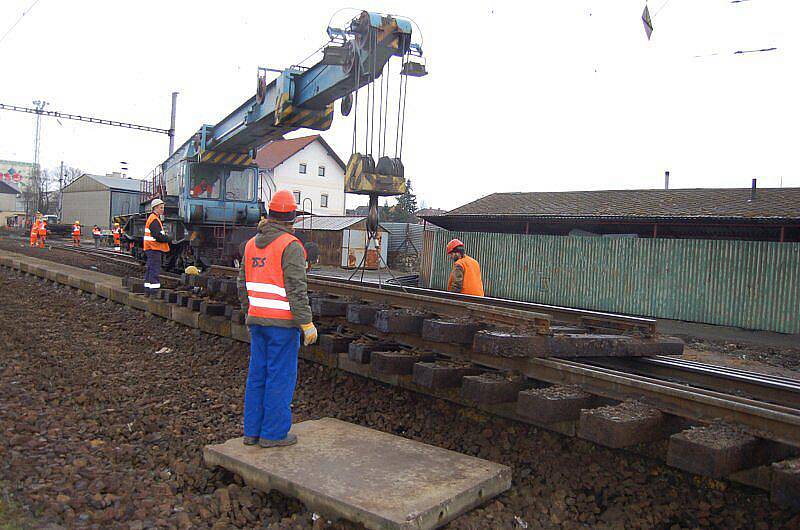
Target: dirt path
column 104, row 411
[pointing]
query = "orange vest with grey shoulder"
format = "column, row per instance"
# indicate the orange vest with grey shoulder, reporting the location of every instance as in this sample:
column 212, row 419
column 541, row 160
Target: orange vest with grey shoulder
column 153, row 225
column 266, row 291
column 473, row 283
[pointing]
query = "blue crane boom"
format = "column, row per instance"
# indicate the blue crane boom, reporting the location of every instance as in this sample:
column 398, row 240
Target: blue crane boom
column 303, row 97
column 210, row 184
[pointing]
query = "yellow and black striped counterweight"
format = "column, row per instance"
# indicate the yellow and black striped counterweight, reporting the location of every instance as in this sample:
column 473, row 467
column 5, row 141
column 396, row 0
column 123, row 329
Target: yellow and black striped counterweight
column 221, row 157
column 361, row 177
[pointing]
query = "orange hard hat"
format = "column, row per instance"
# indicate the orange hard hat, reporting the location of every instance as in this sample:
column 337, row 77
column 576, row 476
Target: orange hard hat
column 283, row 202
column 454, row 244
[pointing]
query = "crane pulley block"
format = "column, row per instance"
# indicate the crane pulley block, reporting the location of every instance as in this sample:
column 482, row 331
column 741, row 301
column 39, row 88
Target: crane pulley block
column 363, row 177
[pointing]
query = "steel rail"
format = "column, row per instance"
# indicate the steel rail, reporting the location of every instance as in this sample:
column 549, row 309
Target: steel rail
column 771, row 421
column 583, row 317
column 772, row 389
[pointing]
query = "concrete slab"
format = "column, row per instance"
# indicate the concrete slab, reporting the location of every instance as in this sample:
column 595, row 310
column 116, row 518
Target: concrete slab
column 712, row 450
column 216, row 325
column 553, row 404
column 329, row 307
column 240, row 332
column 138, row 301
column 366, row 476
column 399, row 321
column 623, row 425
column 158, row 307
column 185, row 316
column 459, row 332
column 491, row 388
column 786, row 483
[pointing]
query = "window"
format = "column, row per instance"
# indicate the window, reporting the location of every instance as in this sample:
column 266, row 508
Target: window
column 297, row 197
column 204, row 182
column 303, row 168
column 240, row 184
column 321, row 171
column 323, row 200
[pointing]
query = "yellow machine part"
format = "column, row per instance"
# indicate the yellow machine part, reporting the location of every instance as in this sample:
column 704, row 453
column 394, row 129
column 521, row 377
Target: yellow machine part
column 361, row 178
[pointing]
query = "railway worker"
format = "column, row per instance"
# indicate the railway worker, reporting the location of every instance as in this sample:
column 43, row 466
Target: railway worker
column 273, row 292
column 117, row 233
column 156, row 243
column 465, row 278
column 42, row 232
column 34, row 231
column 76, row 234
column 96, row 234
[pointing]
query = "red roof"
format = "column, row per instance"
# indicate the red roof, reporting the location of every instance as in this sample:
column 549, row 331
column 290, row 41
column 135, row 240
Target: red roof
column 277, row 152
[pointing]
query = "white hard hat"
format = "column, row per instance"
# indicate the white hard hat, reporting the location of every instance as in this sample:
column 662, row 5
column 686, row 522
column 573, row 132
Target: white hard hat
column 155, row 203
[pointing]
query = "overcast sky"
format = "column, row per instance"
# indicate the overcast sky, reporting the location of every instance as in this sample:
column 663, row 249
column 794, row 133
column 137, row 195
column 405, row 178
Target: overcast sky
column 535, row 96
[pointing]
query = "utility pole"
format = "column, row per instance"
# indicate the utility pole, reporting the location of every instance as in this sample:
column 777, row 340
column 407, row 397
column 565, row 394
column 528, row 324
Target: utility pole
column 172, row 124
column 36, row 180
column 60, row 189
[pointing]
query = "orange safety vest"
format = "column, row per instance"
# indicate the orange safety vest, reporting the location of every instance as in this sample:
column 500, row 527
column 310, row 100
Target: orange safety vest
column 76, row 230
column 473, row 284
column 116, row 233
column 96, row 232
column 34, row 228
column 263, row 272
column 43, row 228
column 150, row 242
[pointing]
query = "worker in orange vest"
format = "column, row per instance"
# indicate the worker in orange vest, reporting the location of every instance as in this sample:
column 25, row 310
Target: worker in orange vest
column 42, row 232
column 465, row 278
column 76, row 234
column 274, row 293
column 34, row 231
column 156, row 244
column 96, row 234
column 117, row 233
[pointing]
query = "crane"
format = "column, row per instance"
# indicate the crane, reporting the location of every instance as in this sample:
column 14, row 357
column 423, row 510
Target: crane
column 210, row 182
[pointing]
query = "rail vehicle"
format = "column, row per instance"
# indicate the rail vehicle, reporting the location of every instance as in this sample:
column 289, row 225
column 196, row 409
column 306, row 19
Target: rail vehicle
column 211, row 183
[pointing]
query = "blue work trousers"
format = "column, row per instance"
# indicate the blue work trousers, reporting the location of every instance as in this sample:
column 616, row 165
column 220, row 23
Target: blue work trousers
column 152, row 270
column 270, row 381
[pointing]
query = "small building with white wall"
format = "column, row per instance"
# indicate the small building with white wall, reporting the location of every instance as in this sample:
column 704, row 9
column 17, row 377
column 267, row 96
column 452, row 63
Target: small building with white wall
column 309, row 168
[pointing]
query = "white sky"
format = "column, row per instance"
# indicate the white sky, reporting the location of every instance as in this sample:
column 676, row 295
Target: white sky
column 535, row 96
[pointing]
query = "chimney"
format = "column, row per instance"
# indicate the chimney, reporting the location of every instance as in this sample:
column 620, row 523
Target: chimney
column 753, row 191
column 666, row 180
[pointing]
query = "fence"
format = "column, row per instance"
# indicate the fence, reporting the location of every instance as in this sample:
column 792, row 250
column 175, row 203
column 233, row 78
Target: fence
column 747, row 284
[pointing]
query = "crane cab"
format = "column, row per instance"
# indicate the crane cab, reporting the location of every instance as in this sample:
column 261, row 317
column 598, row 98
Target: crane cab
column 214, row 194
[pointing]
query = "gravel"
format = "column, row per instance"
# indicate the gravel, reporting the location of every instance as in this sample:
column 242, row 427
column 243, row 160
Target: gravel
column 104, row 411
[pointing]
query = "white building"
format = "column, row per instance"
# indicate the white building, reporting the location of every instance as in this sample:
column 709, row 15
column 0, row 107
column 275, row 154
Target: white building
column 309, row 168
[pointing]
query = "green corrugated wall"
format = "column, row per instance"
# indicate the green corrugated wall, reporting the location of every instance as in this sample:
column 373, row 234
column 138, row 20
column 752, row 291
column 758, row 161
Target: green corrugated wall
column 748, row 284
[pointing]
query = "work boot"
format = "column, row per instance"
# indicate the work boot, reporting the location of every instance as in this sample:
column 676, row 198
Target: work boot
column 250, row 440
column 290, row 439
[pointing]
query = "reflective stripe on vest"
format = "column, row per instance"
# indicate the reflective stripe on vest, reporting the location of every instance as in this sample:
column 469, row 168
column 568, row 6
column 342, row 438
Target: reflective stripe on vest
column 150, row 242
column 264, row 279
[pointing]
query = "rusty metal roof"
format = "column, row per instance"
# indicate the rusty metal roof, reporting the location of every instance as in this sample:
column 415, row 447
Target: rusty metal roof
column 720, row 203
column 277, row 152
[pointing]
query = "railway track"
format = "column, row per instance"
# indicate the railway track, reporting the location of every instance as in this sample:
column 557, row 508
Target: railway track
column 690, row 389
column 764, row 406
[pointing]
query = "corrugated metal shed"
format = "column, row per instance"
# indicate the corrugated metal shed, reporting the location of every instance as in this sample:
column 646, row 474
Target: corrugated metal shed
column 87, row 182
column 325, row 223
column 747, row 284
column 406, row 237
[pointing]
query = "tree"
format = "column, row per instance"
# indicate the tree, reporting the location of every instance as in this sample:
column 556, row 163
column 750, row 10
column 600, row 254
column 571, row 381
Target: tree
column 51, row 184
column 406, row 205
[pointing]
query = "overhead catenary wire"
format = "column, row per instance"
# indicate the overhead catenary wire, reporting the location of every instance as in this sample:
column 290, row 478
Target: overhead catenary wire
column 14, row 25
